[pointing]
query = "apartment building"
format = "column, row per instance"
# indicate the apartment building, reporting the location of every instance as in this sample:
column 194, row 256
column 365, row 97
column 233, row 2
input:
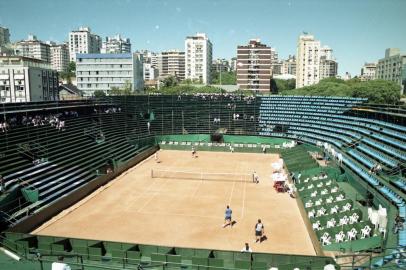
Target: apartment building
column 198, row 58
column 116, row 44
column 313, row 62
column 368, row 71
column 171, row 63
column 104, row 71
column 33, row 48
column 59, row 57
column 254, row 66
column 392, row 68
column 24, row 79
column 83, row 41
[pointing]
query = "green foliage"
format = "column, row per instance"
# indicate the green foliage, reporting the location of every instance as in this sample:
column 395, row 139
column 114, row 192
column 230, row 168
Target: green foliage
column 72, row 67
column 170, row 81
column 227, row 78
column 99, row 93
column 126, row 90
column 185, row 89
column 69, row 73
column 284, row 85
column 377, row 91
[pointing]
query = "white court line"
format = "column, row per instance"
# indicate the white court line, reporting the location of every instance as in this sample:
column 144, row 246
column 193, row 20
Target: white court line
column 153, row 196
column 231, row 194
column 243, row 200
column 197, row 189
column 141, row 194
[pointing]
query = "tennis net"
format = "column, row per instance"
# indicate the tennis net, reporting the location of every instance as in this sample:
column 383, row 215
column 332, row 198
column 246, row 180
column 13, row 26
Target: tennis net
column 185, row 175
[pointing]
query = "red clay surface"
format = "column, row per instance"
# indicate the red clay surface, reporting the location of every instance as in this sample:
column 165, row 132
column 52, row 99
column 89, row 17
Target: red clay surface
column 136, row 208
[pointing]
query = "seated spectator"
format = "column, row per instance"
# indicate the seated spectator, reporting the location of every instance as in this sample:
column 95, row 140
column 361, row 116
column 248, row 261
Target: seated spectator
column 246, row 248
column 60, row 265
column 399, row 224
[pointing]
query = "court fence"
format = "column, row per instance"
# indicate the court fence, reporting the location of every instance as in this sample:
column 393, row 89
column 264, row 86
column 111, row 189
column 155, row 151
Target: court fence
column 41, row 251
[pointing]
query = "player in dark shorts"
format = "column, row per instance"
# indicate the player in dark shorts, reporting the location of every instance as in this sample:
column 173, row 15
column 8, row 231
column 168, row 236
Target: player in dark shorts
column 259, row 231
column 227, row 216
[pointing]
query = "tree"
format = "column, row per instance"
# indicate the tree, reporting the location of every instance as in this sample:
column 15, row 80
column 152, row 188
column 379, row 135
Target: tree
column 99, row 94
column 126, row 90
column 377, row 91
column 283, row 85
column 170, row 81
column 227, row 78
column 71, row 67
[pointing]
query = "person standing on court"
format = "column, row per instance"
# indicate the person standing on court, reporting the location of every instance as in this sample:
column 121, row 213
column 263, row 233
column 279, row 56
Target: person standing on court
column 259, row 231
column 255, row 177
column 227, row 217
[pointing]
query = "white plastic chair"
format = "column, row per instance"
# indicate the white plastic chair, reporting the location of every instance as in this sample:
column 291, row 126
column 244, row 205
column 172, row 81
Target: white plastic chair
column 365, row 232
column 352, row 234
column 340, row 237
column 331, row 223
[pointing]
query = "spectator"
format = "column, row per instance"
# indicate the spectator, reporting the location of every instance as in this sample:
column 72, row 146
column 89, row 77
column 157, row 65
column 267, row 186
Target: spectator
column 246, row 248
column 60, row 265
column 399, row 224
column 329, row 265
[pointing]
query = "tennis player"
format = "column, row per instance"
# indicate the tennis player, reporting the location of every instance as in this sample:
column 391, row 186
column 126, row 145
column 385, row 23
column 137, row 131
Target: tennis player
column 156, row 157
column 255, row 177
column 193, row 152
column 227, row 216
column 259, row 231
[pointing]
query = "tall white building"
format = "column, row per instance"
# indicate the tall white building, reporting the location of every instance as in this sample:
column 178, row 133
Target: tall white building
column 198, row 52
column 313, row 62
column 368, row 72
column 392, row 68
column 83, row 41
column 59, row 57
column 25, row 79
column 104, row 71
column 34, row 48
column 116, row 44
column 4, row 36
column 171, row 63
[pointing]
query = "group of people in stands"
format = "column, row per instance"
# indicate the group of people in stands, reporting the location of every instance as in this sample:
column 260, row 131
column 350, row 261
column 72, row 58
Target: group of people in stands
column 56, row 120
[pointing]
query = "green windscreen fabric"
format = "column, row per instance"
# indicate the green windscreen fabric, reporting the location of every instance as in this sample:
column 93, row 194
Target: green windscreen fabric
column 30, row 194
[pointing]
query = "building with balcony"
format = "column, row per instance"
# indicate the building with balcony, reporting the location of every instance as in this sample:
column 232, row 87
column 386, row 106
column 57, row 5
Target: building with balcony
column 198, row 58
column 116, row 44
column 313, row 62
column 34, row 48
column 368, row 72
column 24, row 79
column 59, row 57
column 104, row 71
column 83, row 41
column 171, row 63
column 289, row 66
column 254, row 66
column 150, row 72
column 392, row 68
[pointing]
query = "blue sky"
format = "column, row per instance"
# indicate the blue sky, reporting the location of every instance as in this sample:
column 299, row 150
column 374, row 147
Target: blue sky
column 357, row 30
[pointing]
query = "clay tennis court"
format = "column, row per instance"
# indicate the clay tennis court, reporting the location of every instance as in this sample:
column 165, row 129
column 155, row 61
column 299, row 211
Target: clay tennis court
column 136, row 208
